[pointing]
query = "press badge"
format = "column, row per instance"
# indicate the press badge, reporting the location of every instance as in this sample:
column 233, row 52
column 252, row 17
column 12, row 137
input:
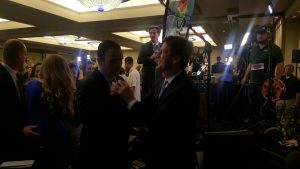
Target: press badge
column 257, row 66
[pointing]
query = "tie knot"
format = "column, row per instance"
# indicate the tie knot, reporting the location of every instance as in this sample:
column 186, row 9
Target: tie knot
column 166, row 83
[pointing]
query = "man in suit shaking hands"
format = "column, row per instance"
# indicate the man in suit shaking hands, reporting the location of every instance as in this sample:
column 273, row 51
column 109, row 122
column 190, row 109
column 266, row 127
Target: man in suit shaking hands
column 169, row 111
column 147, row 56
column 104, row 137
column 12, row 100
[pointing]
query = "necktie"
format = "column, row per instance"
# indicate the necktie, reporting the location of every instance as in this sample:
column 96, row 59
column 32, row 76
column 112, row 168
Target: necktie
column 163, row 87
column 20, row 86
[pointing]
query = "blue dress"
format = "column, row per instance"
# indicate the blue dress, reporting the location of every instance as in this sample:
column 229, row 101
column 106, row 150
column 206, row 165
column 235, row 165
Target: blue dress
column 51, row 126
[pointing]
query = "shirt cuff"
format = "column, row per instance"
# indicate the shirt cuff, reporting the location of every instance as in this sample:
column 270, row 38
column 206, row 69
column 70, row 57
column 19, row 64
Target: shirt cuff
column 130, row 104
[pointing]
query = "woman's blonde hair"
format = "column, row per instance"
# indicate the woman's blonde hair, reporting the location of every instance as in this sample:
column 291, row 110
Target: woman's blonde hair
column 58, row 85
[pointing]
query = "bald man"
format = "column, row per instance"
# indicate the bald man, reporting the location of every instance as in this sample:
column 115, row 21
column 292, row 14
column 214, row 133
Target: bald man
column 12, row 100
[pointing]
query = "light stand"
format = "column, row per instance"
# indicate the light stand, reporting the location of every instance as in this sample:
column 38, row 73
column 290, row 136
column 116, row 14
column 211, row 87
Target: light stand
column 268, row 103
column 207, row 51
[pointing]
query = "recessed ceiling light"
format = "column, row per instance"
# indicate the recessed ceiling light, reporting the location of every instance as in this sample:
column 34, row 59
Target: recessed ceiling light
column 3, row 20
column 294, row 16
column 228, row 46
column 199, row 29
column 140, row 33
column 223, row 31
column 298, row 11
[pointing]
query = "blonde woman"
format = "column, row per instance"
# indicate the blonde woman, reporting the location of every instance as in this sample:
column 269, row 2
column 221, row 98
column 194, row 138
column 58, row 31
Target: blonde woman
column 50, row 104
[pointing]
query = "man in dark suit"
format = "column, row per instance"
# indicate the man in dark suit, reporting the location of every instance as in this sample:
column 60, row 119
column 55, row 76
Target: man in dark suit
column 169, row 111
column 147, row 57
column 12, row 100
column 104, row 137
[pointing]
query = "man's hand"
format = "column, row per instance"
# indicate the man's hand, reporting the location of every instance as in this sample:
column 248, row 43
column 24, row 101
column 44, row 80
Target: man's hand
column 154, row 56
column 29, row 131
column 123, row 89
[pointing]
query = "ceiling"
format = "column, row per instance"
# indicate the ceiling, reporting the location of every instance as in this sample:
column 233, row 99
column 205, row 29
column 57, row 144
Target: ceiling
column 225, row 21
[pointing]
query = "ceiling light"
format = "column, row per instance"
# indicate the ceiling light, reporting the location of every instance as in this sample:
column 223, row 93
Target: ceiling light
column 228, row 46
column 88, row 57
column 229, row 60
column 207, row 37
column 198, row 29
column 67, row 39
column 94, row 44
column 294, row 16
column 140, row 33
column 195, row 38
column 270, row 8
column 77, row 6
column 101, row 5
column 3, row 20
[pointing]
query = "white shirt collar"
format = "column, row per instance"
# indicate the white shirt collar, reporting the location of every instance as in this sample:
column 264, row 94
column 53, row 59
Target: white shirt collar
column 157, row 43
column 170, row 79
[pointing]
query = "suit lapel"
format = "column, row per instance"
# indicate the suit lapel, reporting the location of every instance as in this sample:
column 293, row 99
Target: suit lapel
column 9, row 80
column 11, row 87
column 171, row 88
column 157, row 89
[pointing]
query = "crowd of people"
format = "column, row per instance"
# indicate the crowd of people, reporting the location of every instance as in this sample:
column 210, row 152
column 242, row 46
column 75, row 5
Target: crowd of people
column 64, row 115
column 61, row 120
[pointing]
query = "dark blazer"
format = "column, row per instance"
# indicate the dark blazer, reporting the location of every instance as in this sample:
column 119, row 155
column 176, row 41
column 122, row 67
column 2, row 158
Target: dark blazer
column 12, row 110
column 104, row 136
column 171, row 121
column 148, row 70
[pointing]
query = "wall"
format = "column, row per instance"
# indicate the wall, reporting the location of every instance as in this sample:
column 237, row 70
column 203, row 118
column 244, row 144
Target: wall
column 292, row 40
column 34, row 57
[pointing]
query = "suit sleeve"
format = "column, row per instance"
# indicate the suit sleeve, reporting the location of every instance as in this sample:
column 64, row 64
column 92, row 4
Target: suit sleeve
column 140, row 113
column 144, row 55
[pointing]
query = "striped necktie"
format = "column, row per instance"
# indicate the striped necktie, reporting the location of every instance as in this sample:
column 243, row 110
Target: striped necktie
column 163, row 87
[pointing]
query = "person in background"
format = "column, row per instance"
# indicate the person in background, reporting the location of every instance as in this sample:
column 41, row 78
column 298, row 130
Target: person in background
column 123, row 74
column 90, row 68
column 133, row 78
column 265, row 61
column 169, row 111
column 35, row 71
column 287, row 107
column 12, row 101
column 104, row 136
column 74, row 70
column 219, row 62
column 50, row 105
column 147, row 56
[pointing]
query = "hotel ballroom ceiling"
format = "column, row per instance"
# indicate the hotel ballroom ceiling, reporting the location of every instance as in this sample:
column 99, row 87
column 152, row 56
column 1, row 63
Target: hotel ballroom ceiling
column 224, row 20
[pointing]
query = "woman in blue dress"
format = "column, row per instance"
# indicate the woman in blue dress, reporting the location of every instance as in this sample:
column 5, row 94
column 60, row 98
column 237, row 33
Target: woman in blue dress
column 50, row 105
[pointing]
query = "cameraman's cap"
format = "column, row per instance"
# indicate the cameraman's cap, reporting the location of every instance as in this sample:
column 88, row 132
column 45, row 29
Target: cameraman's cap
column 263, row 29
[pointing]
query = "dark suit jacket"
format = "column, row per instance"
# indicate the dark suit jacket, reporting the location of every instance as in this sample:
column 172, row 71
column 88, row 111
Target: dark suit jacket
column 171, row 121
column 148, row 71
column 12, row 110
column 104, row 136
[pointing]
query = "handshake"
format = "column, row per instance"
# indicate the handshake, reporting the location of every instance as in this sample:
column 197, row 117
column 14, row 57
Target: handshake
column 121, row 88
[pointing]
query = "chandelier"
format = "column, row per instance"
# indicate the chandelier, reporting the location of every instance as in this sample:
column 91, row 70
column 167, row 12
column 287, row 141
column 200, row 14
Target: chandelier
column 101, row 5
column 66, row 39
